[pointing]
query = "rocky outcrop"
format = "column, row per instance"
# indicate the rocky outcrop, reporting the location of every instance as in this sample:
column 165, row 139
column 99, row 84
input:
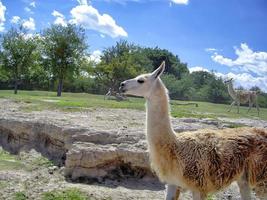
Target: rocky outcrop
column 50, row 140
column 85, row 152
column 110, row 155
column 94, row 144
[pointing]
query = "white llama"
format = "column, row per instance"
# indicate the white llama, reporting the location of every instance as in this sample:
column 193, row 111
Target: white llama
column 203, row 161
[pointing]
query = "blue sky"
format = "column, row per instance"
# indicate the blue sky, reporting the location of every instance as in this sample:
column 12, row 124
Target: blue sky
column 228, row 36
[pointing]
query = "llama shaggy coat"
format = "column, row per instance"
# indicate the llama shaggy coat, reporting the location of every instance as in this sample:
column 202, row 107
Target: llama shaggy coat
column 204, row 160
column 210, row 159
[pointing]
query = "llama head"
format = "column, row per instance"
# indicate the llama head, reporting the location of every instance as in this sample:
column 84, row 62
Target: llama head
column 142, row 85
column 228, row 81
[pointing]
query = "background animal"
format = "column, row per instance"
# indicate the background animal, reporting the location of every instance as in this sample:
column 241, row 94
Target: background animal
column 242, row 96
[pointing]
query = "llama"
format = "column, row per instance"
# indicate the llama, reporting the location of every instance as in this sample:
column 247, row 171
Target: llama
column 202, row 161
column 242, row 96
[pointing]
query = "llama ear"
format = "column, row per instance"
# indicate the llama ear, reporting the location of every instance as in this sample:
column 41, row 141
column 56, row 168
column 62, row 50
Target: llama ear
column 159, row 70
column 228, row 80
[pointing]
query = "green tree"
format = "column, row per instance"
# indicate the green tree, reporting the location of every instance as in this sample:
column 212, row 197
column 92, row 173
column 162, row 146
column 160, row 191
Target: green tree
column 119, row 62
column 179, row 89
column 201, row 78
column 4, row 75
column 63, row 49
column 216, row 91
column 173, row 64
column 17, row 53
column 255, row 88
column 37, row 76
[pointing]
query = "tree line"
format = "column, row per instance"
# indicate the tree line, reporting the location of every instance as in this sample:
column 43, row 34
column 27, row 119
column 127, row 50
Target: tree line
column 57, row 59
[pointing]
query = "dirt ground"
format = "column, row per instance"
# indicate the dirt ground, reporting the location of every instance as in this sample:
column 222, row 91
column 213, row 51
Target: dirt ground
column 34, row 179
column 39, row 178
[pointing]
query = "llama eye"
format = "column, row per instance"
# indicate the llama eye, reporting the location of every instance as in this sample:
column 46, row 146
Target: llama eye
column 140, row 81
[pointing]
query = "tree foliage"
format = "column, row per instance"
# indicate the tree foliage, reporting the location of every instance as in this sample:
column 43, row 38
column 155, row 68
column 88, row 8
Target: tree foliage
column 119, row 62
column 200, row 85
column 63, row 49
column 17, row 52
column 173, row 64
column 59, row 56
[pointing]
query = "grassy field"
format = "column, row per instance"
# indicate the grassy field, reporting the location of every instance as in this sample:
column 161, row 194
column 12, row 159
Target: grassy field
column 9, row 161
column 39, row 100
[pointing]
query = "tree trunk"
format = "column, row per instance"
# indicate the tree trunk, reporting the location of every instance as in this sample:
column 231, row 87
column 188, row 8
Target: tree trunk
column 16, row 86
column 16, row 80
column 59, row 88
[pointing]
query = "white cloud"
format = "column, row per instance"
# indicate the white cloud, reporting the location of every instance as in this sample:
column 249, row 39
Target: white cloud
column 29, row 24
column 247, row 60
column 185, row 2
column 102, row 35
column 246, row 80
column 197, row 68
column 83, row 2
column 32, row 4
column 60, row 18
column 57, row 14
column 95, row 56
column 29, row 10
column 124, row 2
column 15, row 20
column 31, row 35
column 211, row 49
column 29, row 7
column 2, row 16
column 222, row 60
column 248, row 69
column 89, row 17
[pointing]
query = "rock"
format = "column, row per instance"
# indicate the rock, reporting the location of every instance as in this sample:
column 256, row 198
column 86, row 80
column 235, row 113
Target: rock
column 246, row 122
column 52, row 169
column 17, row 135
column 87, row 159
column 189, row 120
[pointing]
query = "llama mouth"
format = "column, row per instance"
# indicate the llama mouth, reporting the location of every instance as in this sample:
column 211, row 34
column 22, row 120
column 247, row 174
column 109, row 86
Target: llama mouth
column 122, row 90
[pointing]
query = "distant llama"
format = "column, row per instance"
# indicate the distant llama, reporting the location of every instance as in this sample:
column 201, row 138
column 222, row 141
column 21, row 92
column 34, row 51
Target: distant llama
column 242, row 96
column 109, row 94
column 202, row 161
column 116, row 95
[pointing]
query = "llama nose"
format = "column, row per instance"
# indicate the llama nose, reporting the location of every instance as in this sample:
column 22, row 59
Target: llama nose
column 122, row 86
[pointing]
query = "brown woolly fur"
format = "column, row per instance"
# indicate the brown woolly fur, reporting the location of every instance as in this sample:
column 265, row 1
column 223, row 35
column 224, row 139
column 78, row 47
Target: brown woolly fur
column 261, row 190
column 209, row 160
column 202, row 161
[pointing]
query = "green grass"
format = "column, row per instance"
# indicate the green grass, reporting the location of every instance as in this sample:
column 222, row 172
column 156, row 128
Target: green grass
column 210, row 197
column 37, row 162
column 3, row 184
column 42, row 161
column 16, row 162
column 20, row 196
column 40, row 100
column 69, row 101
column 68, row 194
column 9, row 161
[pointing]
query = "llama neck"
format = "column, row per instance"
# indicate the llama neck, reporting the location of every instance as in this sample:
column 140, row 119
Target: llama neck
column 231, row 90
column 158, row 118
